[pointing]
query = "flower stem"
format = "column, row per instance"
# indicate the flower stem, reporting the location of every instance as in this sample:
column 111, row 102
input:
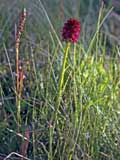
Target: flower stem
column 61, row 80
column 58, row 100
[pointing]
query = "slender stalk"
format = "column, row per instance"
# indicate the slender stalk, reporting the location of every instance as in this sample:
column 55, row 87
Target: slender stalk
column 61, row 80
column 19, row 74
column 74, row 87
column 17, row 68
column 58, row 99
column 17, row 85
column 19, row 91
column 18, row 110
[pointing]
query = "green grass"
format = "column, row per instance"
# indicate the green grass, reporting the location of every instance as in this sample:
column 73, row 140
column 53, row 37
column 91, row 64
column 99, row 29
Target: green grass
column 88, row 120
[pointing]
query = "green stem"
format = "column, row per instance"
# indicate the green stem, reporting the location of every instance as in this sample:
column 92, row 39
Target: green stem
column 58, row 99
column 61, row 80
column 74, row 87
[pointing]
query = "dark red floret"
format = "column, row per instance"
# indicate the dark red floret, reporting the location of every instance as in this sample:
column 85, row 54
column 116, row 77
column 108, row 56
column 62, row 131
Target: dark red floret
column 71, row 30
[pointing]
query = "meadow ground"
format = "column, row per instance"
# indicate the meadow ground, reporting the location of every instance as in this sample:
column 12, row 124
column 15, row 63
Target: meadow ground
column 78, row 120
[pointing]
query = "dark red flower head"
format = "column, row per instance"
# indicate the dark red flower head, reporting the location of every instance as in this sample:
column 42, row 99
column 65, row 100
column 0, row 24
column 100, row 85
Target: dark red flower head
column 71, row 30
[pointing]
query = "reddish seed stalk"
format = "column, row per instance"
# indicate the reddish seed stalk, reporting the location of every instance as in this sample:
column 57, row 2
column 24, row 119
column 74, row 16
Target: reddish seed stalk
column 19, row 73
column 17, row 43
